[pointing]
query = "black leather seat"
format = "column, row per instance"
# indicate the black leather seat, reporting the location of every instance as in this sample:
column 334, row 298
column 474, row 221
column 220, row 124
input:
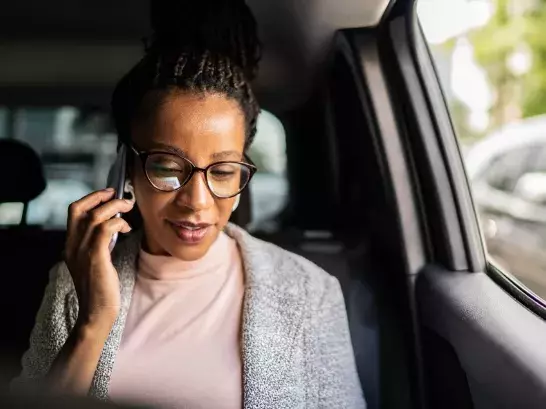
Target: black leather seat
column 27, row 254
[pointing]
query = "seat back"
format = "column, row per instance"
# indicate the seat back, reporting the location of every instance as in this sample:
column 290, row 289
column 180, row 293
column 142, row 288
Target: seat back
column 26, row 253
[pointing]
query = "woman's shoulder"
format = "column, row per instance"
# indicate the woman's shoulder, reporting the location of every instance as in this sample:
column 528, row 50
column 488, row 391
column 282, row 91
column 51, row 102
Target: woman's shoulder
column 269, row 264
column 60, row 293
column 60, row 278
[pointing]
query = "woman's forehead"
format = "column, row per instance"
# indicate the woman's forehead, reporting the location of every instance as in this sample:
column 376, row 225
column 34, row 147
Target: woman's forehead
column 204, row 113
column 157, row 146
column 203, row 126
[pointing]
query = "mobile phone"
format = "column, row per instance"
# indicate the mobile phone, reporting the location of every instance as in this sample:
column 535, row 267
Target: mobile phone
column 116, row 180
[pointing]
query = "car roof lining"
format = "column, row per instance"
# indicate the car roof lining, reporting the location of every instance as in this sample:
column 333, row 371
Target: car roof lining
column 38, row 38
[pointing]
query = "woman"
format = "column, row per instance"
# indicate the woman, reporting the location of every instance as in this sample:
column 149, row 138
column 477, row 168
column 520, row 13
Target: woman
column 191, row 311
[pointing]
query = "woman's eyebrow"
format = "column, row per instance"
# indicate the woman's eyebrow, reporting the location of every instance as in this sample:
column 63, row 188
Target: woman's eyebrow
column 168, row 148
column 226, row 155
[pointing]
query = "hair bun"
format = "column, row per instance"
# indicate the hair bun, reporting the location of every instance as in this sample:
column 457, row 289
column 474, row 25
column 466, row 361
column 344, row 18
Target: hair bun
column 223, row 27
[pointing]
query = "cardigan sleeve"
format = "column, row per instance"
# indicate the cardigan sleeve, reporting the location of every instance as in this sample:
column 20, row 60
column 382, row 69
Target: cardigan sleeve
column 54, row 321
column 339, row 385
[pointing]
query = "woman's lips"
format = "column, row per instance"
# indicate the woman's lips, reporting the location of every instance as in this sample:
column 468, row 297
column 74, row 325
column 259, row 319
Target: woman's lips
column 190, row 233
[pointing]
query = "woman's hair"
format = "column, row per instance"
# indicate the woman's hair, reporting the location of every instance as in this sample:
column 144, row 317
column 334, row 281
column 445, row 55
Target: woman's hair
column 198, row 46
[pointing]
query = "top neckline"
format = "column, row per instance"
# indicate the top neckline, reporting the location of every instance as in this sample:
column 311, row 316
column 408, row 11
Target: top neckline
column 154, row 267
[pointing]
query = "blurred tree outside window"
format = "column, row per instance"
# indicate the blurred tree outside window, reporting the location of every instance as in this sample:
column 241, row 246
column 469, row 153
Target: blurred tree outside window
column 505, row 40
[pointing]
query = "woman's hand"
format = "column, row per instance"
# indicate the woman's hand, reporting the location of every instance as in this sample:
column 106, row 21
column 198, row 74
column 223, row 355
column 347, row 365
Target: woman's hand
column 90, row 229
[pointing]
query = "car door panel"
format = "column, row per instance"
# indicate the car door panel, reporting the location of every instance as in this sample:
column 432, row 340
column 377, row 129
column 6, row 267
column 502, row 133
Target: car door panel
column 500, row 344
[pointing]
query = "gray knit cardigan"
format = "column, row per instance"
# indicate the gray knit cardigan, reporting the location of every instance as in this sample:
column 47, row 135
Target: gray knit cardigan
column 296, row 348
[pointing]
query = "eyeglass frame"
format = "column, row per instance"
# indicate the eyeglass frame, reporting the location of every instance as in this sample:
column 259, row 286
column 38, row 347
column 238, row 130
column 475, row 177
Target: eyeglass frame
column 144, row 155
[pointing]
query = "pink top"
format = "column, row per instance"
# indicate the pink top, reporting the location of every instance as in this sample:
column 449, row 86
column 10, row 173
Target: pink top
column 181, row 342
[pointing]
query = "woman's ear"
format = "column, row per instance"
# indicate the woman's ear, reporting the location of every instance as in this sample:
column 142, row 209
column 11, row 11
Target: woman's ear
column 130, row 190
column 236, row 203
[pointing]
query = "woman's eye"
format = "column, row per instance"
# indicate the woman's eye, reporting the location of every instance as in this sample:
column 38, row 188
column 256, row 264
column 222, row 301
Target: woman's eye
column 223, row 173
column 166, row 168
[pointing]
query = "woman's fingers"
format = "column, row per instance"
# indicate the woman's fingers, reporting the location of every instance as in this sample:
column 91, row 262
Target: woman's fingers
column 101, row 214
column 89, row 212
column 108, row 210
column 77, row 213
column 102, row 234
column 78, row 210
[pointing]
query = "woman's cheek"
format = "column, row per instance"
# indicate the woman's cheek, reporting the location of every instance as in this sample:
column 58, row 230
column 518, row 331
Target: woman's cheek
column 225, row 208
column 149, row 203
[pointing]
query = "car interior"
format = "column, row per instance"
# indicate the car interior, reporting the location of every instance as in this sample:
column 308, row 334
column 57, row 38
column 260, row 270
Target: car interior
column 377, row 191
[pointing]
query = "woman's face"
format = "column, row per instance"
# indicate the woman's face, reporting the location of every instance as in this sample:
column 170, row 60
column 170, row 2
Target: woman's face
column 204, row 129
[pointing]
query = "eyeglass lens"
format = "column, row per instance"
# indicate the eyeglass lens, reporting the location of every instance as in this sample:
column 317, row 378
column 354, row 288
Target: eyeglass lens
column 169, row 172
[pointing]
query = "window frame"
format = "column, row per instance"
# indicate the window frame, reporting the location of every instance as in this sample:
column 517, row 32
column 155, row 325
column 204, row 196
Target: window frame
column 475, row 245
column 450, row 216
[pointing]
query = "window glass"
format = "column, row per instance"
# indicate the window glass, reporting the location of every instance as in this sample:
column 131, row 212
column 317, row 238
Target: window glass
column 505, row 170
column 269, row 186
column 489, row 55
column 3, row 122
column 539, row 163
column 78, row 145
column 531, row 186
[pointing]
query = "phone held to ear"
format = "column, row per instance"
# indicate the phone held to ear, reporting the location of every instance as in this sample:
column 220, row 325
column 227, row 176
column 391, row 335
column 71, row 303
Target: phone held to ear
column 116, row 180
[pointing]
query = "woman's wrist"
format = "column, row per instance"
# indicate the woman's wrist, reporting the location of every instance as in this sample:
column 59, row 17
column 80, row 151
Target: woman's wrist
column 94, row 327
column 73, row 369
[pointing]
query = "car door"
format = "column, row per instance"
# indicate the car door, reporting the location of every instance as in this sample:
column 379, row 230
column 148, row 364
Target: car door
column 477, row 334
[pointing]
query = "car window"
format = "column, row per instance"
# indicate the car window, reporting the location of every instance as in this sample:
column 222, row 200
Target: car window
column 3, row 122
column 505, row 170
column 531, row 186
column 269, row 186
column 539, row 163
column 78, row 145
column 495, row 94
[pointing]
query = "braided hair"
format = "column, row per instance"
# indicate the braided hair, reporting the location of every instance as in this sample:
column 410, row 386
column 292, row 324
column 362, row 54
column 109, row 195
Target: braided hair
column 202, row 46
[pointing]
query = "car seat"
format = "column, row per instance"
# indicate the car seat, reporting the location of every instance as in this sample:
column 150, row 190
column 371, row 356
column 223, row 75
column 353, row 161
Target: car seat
column 27, row 252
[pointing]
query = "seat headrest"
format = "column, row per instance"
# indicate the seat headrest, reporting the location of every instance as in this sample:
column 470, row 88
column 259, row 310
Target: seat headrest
column 21, row 172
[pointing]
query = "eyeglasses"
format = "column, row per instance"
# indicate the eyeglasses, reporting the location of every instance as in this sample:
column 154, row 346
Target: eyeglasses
column 169, row 172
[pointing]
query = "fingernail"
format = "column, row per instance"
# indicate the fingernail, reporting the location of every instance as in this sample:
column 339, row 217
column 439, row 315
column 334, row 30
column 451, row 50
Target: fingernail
column 131, row 202
column 109, row 189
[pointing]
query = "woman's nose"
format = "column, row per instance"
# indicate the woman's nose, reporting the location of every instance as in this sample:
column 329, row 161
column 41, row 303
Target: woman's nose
column 195, row 194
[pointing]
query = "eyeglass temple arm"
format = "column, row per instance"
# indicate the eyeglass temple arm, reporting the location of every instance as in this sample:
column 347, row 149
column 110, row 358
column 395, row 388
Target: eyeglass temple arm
column 249, row 161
